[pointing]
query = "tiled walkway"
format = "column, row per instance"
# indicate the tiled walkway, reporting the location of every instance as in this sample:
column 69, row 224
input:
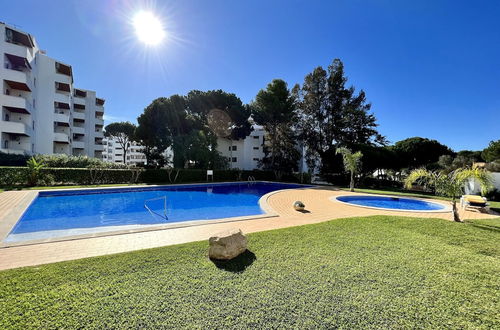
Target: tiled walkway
column 318, row 203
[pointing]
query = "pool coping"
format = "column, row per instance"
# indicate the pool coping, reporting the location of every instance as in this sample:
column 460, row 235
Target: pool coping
column 446, row 207
column 18, row 211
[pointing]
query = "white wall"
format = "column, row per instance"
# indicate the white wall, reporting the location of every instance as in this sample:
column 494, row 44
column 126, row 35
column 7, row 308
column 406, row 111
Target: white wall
column 473, row 187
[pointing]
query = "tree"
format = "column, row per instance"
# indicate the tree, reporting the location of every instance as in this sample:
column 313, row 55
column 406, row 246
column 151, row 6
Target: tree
column 274, row 109
column 153, row 131
column 492, row 152
column 352, row 162
column 450, row 184
column 123, row 133
column 416, row 152
column 331, row 115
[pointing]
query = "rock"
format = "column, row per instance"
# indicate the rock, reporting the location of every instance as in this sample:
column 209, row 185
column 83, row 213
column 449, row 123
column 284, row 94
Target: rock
column 299, row 206
column 227, row 245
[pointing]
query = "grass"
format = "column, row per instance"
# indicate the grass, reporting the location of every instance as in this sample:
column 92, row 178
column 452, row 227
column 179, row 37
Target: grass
column 375, row 272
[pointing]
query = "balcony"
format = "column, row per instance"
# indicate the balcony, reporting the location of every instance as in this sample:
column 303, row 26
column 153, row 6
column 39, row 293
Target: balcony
column 17, row 63
column 15, row 103
column 99, row 102
column 13, row 127
column 99, row 147
column 99, row 121
column 61, row 118
column 19, row 82
column 78, row 144
column 18, row 38
column 78, row 130
column 79, row 115
column 80, row 93
column 61, row 137
column 62, row 98
column 78, row 103
column 64, row 69
column 62, row 87
column 19, row 151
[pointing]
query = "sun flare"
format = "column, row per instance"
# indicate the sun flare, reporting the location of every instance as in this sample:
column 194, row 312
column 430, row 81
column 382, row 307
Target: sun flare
column 148, row 28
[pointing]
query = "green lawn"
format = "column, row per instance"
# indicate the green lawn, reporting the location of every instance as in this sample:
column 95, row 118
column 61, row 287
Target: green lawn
column 378, row 272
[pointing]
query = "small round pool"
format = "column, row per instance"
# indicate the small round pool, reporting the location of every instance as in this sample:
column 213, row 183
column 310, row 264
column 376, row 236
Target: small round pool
column 393, row 203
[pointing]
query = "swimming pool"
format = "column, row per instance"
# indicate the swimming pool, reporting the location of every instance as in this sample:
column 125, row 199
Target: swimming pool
column 393, row 203
column 75, row 212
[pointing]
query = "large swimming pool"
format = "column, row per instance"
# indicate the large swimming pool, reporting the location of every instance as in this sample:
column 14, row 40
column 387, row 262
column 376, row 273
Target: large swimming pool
column 75, row 212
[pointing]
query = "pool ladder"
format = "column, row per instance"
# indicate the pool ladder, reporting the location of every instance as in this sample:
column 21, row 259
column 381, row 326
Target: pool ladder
column 164, row 216
column 251, row 180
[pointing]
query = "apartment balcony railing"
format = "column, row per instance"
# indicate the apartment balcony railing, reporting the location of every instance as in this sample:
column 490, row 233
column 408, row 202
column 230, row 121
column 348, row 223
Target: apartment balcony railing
column 61, row 137
column 61, row 117
column 13, row 127
column 62, row 87
column 78, row 130
column 78, row 144
column 79, row 115
column 61, row 98
column 15, row 103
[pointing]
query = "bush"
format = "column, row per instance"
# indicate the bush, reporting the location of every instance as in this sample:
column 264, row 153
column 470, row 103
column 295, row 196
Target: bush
column 18, row 176
column 13, row 159
column 58, row 161
column 493, row 195
column 65, row 161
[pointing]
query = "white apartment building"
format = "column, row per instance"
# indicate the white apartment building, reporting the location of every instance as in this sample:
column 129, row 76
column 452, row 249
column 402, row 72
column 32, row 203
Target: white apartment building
column 246, row 153
column 42, row 112
column 113, row 153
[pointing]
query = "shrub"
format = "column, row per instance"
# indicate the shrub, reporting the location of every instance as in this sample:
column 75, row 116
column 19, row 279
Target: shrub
column 13, row 159
column 18, row 176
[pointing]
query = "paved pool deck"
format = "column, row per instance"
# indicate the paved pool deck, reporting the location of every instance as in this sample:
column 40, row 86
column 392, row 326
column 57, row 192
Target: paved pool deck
column 319, row 201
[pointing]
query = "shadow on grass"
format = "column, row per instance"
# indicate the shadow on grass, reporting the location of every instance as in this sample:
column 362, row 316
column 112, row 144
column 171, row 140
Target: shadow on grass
column 238, row 264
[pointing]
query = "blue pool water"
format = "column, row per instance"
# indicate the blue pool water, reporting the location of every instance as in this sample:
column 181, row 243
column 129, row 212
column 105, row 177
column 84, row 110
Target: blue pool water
column 391, row 203
column 63, row 213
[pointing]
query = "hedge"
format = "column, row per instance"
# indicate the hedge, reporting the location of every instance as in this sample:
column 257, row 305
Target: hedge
column 17, row 176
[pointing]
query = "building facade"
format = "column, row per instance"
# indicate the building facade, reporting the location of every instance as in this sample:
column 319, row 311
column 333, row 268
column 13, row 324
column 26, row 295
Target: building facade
column 42, row 112
column 113, row 153
column 246, row 153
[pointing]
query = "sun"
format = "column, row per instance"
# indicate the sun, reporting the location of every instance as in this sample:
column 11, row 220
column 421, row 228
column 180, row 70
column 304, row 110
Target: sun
column 148, row 28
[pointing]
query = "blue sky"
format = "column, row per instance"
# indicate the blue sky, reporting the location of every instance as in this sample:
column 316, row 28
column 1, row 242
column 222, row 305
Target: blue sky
column 430, row 68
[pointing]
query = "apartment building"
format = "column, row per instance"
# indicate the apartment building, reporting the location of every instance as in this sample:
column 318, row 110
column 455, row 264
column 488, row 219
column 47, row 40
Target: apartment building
column 42, row 112
column 113, row 153
column 246, row 153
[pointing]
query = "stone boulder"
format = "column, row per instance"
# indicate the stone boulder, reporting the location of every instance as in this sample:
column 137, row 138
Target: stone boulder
column 227, row 245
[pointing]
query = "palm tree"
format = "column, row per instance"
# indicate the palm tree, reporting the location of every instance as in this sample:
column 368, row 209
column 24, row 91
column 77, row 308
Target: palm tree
column 34, row 169
column 352, row 162
column 451, row 184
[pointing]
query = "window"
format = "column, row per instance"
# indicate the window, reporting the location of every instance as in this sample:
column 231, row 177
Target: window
column 256, row 137
column 6, row 144
column 255, row 148
column 256, row 159
column 234, row 148
column 229, row 148
column 234, row 159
